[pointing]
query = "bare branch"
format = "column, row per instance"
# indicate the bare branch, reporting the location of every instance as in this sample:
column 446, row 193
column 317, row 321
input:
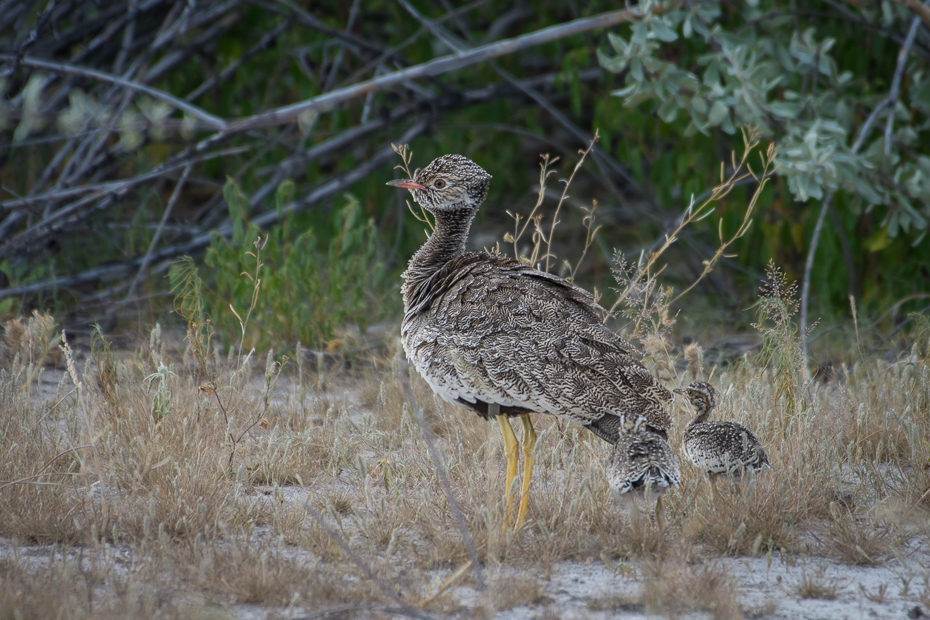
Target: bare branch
column 891, row 101
column 180, row 104
column 148, row 255
column 321, row 192
column 445, row 64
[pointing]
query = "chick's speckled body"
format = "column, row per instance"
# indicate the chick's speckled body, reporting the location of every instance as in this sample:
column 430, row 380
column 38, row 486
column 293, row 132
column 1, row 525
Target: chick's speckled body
column 719, row 447
column 642, row 462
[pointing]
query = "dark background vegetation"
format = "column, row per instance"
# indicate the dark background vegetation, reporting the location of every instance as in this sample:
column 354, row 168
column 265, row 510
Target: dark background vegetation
column 104, row 185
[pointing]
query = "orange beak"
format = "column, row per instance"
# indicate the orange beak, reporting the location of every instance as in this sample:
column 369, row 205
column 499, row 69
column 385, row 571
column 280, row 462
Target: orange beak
column 405, row 184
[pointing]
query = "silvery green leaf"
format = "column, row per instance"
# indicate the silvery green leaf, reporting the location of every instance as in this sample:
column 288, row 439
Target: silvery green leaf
column 188, row 126
column 727, row 125
column 866, row 191
column 662, row 31
column 698, row 106
column 660, row 88
column 130, row 137
column 640, row 33
column 717, row 113
column 637, row 98
column 686, row 28
column 911, row 212
column 627, row 91
column 636, row 69
column 785, row 109
column 888, row 16
column 306, row 120
column 712, row 74
column 618, row 43
column 893, row 221
column 923, row 162
column 613, row 64
column 668, row 111
column 72, row 119
column 156, row 113
column 32, row 100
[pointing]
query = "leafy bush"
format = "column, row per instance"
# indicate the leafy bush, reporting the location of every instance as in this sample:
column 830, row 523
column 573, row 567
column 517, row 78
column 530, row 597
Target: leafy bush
column 297, row 288
column 844, row 96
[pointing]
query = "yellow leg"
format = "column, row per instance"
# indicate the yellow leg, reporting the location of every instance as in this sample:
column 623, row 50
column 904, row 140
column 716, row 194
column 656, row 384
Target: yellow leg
column 510, row 451
column 529, row 440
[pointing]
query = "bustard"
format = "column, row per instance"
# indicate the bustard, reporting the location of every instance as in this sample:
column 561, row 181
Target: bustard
column 643, row 465
column 504, row 339
column 718, row 447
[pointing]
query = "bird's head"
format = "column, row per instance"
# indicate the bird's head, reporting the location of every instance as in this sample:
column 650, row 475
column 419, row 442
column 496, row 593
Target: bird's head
column 701, row 395
column 448, row 183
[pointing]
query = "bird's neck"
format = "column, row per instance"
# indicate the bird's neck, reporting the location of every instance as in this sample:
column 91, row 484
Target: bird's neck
column 445, row 243
column 700, row 418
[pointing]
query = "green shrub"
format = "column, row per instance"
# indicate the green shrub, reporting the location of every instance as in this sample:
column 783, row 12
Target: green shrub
column 296, row 288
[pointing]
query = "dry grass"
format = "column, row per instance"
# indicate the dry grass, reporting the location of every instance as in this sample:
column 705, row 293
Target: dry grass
column 860, row 541
column 814, row 584
column 674, row 587
column 333, row 485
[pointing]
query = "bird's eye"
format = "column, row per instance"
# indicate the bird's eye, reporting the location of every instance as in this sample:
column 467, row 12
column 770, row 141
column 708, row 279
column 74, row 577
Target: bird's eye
column 439, row 183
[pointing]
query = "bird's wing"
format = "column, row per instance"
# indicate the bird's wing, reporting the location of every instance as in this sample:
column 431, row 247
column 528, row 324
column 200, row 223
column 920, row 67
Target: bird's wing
column 495, row 330
column 722, row 446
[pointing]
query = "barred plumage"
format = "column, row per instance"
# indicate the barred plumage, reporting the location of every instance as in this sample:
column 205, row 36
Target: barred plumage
column 504, row 339
column 642, row 463
column 486, row 329
column 719, row 448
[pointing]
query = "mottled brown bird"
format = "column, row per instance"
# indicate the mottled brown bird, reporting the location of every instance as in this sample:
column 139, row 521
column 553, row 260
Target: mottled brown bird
column 643, row 465
column 504, row 339
column 719, row 447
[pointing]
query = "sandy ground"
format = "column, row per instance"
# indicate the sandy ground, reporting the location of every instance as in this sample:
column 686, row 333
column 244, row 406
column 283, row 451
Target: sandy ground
column 765, row 587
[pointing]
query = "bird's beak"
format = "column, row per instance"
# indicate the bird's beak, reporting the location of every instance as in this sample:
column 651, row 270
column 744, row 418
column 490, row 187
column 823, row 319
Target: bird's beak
column 405, row 184
column 679, row 391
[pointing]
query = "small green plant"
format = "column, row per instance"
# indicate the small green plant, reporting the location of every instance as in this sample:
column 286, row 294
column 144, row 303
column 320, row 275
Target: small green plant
column 187, row 287
column 309, row 291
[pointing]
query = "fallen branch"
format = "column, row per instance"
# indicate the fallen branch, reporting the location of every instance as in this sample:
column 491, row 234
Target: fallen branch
column 433, row 68
column 321, row 192
column 180, row 104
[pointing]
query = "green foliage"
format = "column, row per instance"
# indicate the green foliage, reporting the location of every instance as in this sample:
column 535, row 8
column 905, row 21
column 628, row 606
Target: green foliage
column 762, row 71
column 303, row 289
column 807, row 75
column 759, row 69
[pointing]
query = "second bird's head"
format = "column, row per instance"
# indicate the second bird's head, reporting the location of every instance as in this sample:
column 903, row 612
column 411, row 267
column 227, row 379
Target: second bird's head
column 449, row 183
column 701, row 395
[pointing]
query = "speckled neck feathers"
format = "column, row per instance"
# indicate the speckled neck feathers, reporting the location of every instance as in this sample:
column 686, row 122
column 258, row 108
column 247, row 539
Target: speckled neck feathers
column 445, row 244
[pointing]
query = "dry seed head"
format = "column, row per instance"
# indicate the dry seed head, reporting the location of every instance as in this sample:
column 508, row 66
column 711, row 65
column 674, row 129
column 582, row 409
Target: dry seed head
column 694, row 356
